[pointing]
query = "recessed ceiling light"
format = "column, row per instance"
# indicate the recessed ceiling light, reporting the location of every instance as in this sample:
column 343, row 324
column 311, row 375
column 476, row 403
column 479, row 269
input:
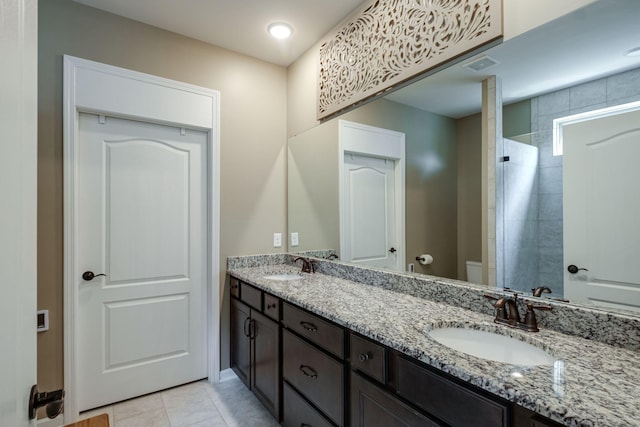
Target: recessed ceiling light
column 280, row 30
column 633, row 52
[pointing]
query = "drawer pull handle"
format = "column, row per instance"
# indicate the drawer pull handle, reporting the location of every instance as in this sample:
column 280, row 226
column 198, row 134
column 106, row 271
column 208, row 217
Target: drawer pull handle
column 252, row 329
column 364, row 357
column 246, row 326
column 270, row 306
column 309, row 326
column 308, row 372
column 305, row 425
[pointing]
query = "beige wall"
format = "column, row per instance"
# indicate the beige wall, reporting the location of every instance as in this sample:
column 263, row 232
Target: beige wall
column 253, row 141
column 469, row 139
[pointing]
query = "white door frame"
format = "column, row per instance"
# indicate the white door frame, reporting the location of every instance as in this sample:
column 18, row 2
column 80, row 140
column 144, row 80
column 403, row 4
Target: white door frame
column 559, row 124
column 97, row 88
column 374, row 148
column 18, row 215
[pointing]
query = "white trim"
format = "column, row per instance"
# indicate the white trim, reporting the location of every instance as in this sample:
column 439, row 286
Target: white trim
column 559, row 123
column 374, row 147
column 112, row 85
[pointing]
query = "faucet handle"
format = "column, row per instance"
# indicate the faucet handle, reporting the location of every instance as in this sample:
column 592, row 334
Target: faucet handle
column 530, row 321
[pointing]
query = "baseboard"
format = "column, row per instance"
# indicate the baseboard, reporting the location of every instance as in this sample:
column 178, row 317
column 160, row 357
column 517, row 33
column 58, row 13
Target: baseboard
column 56, row 422
column 227, row 374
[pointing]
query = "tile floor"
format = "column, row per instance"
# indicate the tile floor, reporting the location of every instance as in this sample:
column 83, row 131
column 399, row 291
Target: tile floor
column 199, row 404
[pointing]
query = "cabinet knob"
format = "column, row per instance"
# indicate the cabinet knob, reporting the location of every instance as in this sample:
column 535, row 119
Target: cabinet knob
column 364, row 357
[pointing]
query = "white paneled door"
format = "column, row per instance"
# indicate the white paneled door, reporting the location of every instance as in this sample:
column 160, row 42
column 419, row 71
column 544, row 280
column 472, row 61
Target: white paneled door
column 602, row 210
column 142, row 234
column 369, row 203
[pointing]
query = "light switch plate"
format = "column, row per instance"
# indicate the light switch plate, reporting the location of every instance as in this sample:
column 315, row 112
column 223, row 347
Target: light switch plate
column 277, row 240
column 294, row 239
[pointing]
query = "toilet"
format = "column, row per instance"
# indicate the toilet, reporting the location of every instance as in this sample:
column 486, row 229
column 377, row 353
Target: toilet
column 474, row 272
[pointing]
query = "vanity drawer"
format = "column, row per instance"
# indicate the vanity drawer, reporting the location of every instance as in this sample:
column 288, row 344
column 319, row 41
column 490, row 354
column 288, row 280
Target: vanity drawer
column 326, row 335
column 447, row 400
column 299, row 413
column 251, row 296
column 368, row 357
column 317, row 376
column 272, row 307
column 234, row 287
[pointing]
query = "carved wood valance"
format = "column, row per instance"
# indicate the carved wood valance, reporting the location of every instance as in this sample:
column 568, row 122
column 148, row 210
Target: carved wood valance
column 390, row 41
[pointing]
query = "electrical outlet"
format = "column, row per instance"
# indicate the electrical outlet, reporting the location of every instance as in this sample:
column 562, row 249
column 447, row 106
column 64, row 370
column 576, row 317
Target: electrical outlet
column 411, row 267
column 294, row 239
column 277, row 240
column 43, row 320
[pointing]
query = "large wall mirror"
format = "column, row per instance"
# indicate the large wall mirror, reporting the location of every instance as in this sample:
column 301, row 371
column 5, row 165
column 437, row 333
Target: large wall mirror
column 578, row 63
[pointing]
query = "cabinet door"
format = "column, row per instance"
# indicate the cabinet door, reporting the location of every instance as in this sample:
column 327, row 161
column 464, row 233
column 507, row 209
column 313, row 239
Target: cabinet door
column 240, row 348
column 374, row 407
column 265, row 367
column 298, row 413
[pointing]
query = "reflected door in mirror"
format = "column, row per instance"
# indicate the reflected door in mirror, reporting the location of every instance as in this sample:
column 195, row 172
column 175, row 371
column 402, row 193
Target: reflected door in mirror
column 601, row 210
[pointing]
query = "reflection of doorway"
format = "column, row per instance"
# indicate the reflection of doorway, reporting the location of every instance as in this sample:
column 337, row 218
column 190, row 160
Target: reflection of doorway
column 372, row 196
column 601, row 206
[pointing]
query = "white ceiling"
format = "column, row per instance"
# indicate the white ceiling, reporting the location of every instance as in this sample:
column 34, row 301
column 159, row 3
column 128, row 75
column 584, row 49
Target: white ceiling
column 579, row 47
column 584, row 45
column 239, row 25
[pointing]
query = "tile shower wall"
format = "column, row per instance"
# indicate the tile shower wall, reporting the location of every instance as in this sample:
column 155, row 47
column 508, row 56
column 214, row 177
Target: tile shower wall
column 606, row 92
column 520, row 215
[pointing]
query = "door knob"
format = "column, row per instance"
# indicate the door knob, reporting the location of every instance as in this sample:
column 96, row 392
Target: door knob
column 89, row 276
column 393, row 250
column 573, row 269
column 52, row 400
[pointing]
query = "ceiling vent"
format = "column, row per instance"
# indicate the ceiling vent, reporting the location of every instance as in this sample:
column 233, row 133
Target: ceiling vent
column 481, row 63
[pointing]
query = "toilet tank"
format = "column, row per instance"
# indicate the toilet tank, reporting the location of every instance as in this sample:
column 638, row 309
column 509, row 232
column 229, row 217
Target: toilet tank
column 474, row 272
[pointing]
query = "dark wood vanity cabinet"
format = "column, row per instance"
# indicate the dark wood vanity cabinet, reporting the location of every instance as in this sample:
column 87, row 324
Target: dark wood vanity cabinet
column 333, row 377
column 313, row 370
column 445, row 399
column 255, row 347
column 372, row 406
column 391, row 389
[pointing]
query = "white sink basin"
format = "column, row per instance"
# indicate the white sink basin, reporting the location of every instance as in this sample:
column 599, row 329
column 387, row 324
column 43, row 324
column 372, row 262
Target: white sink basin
column 283, row 277
column 490, row 346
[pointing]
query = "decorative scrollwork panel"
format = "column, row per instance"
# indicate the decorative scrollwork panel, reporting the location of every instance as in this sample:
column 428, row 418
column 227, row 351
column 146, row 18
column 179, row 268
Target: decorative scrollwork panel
column 390, row 41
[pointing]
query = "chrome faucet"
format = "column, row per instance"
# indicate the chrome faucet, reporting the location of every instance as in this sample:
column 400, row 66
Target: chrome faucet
column 507, row 313
column 308, row 266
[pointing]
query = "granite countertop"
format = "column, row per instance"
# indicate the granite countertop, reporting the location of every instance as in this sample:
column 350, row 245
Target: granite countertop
column 594, row 384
